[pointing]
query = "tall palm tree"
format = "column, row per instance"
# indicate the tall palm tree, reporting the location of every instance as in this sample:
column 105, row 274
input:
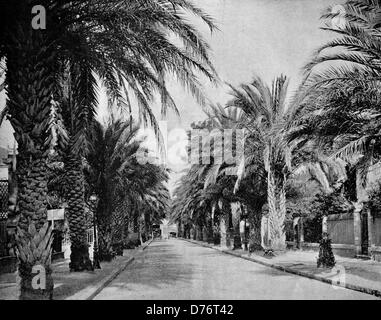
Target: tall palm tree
column 127, row 74
column 265, row 112
column 30, row 85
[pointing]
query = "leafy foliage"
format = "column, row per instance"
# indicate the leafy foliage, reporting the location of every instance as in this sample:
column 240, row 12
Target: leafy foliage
column 128, row 191
column 374, row 202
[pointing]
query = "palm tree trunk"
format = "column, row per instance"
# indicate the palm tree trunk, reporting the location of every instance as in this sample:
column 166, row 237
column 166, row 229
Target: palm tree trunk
column 235, row 209
column 209, row 230
column 199, row 233
column 225, row 217
column 30, row 82
column 255, row 237
column 117, row 229
column 79, row 257
column 276, row 198
column 104, row 229
column 32, row 195
column 105, row 242
column 125, row 225
column 147, row 224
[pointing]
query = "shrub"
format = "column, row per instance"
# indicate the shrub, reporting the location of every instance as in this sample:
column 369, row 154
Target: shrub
column 326, row 257
column 374, row 202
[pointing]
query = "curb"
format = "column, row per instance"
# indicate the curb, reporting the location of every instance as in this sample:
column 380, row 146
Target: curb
column 145, row 246
column 373, row 292
column 104, row 283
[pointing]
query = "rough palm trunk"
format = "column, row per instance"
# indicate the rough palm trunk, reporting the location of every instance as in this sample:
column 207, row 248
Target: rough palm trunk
column 104, row 229
column 35, row 249
column 199, row 233
column 225, row 217
column 146, row 225
column 276, row 198
column 105, row 243
column 126, row 230
column 32, row 195
column 117, row 228
column 255, row 237
column 30, row 87
column 216, row 225
column 79, row 257
column 209, row 230
column 193, row 232
column 235, row 209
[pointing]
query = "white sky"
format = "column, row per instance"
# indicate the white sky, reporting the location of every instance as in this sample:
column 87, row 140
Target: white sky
column 266, row 37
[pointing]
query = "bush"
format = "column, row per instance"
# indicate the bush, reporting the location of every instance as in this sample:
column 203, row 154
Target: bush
column 374, row 202
column 326, row 257
column 132, row 241
column 118, row 248
column 323, row 204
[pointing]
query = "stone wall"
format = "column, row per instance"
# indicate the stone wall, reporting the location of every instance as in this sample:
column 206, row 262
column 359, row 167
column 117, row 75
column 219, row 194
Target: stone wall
column 8, row 264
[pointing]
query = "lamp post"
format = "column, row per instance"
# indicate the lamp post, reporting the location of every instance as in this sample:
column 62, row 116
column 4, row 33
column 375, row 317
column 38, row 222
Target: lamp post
column 94, row 202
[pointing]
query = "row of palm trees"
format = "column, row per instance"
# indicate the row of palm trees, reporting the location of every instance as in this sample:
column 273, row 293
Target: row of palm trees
column 132, row 195
column 52, row 78
column 329, row 132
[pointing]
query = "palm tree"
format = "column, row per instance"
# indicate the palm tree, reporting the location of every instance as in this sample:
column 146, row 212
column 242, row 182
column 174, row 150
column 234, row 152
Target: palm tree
column 225, row 151
column 251, row 187
column 345, row 73
column 140, row 187
column 265, row 112
column 118, row 76
column 245, row 184
column 191, row 206
column 343, row 124
column 127, row 189
column 113, row 148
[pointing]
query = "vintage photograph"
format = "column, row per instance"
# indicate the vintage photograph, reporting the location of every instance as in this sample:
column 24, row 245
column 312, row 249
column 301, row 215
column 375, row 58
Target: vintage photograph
column 183, row 150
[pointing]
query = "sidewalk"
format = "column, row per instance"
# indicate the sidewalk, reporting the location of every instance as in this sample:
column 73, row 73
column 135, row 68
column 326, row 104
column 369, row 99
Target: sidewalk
column 354, row 274
column 75, row 285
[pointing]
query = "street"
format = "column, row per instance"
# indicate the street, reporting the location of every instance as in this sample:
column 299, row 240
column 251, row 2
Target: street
column 176, row 269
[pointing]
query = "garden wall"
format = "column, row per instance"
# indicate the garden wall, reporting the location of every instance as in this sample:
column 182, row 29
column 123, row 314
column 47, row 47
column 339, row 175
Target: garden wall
column 340, row 228
column 377, row 231
column 375, row 249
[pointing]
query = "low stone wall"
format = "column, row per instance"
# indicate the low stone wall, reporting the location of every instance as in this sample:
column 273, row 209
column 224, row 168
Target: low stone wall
column 376, row 226
column 343, row 250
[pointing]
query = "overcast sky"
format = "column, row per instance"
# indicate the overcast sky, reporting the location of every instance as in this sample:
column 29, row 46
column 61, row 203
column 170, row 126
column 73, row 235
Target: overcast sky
column 266, row 37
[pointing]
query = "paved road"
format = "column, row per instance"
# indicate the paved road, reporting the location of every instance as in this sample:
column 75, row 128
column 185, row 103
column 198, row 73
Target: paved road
column 176, row 269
